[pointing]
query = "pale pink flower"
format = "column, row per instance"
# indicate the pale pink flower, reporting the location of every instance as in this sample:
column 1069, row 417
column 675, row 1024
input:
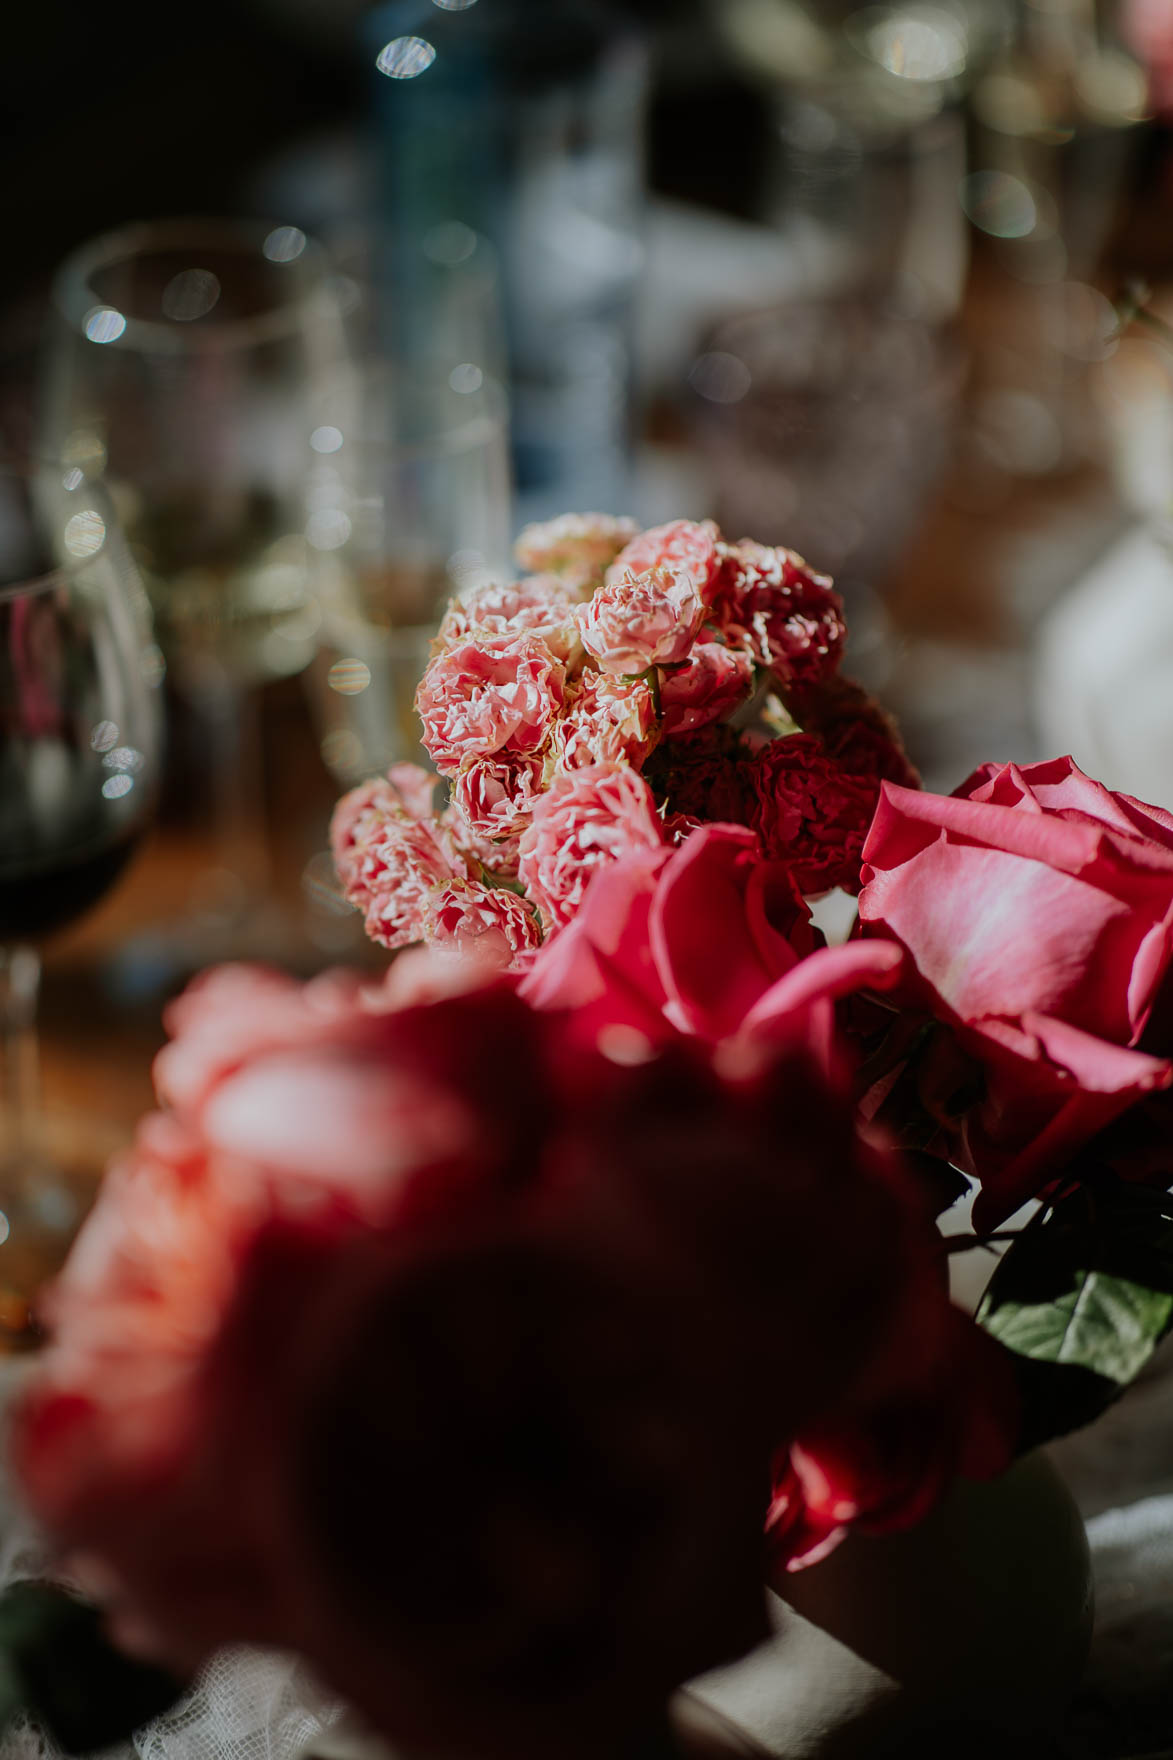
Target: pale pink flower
column 639, row 620
column 399, row 866
column 487, row 696
column 539, row 606
column 713, row 681
column 494, row 799
column 490, row 923
column 577, row 546
column 607, row 720
column 405, row 792
column 497, row 856
column 585, row 819
column 682, row 546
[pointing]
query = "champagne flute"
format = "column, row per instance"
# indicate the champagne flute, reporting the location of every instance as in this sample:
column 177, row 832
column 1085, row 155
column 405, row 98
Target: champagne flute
column 182, row 371
column 79, row 756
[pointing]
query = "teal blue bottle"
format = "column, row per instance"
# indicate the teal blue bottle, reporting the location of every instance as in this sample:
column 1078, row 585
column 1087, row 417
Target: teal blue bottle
column 522, row 120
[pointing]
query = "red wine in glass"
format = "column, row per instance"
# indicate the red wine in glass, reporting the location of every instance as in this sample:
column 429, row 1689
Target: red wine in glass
column 79, row 759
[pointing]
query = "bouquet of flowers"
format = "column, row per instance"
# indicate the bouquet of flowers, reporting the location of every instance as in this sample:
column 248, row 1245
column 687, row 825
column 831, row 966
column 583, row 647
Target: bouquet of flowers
column 614, row 699
column 488, row 1335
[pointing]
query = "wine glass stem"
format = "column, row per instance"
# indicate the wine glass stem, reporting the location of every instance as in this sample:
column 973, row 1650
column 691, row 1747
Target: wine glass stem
column 20, row 982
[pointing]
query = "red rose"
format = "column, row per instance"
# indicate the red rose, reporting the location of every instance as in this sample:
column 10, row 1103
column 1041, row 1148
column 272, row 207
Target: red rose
column 1037, row 907
column 810, row 812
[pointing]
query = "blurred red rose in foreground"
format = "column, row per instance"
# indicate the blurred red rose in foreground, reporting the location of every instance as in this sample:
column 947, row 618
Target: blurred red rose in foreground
column 1147, row 26
column 432, row 1344
column 1037, row 910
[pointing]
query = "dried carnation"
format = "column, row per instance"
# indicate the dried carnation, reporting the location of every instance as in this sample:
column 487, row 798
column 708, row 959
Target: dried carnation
column 488, row 922
column 496, row 795
column 705, row 776
column 639, row 620
column 607, row 720
column 682, row 546
column 405, row 792
column 780, row 612
column 490, row 695
column 585, row 818
column 575, row 546
column 400, row 866
column 810, row 812
column 711, row 683
column 539, row 606
column 857, row 731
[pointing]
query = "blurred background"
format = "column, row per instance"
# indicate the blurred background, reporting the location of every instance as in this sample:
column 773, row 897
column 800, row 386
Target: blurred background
column 331, row 297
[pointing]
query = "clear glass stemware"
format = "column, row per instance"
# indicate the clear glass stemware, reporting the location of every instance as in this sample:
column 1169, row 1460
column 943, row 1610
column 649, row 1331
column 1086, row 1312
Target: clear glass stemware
column 79, row 758
column 182, row 372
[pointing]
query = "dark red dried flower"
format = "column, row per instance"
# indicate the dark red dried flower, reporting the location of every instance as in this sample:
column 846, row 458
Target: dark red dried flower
column 772, row 605
column 704, row 776
column 810, row 812
column 856, row 730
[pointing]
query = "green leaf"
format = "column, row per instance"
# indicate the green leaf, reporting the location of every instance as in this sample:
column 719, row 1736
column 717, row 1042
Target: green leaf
column 1083, row 1298
column 1105, row 1324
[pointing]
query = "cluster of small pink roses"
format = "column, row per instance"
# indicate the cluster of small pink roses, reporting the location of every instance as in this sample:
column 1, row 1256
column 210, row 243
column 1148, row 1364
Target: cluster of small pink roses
column 612, row 700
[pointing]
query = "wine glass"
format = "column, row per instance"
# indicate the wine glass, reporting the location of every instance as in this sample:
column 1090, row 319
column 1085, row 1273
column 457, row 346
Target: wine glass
column 182, row 370
column 79, row 758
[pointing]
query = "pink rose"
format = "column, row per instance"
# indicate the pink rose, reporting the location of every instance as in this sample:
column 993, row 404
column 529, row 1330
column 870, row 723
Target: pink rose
column 607, row 721
column 489, row 696
column 711, row 683
column 708, row 940
column 636, row 621
column 539, row 607
column 1037, row 908
column 575, row 546
column 810, row 812
column 587, row 818
column 780, row 612
column 488, row 922
column 681, row 547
